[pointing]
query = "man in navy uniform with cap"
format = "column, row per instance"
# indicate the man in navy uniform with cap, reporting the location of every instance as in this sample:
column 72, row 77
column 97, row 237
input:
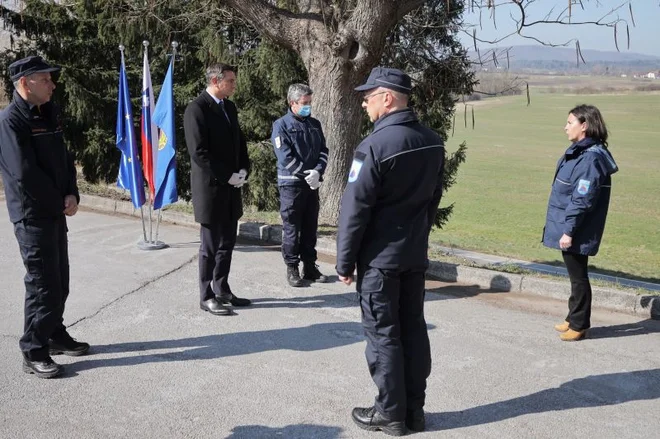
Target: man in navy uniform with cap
column 393, row 191
column 302, row 157
column 40, row 187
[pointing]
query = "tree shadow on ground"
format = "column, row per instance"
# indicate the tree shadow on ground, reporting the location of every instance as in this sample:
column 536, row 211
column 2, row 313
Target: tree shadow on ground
column 302, row 431
column 590, row 391
column 304, row 339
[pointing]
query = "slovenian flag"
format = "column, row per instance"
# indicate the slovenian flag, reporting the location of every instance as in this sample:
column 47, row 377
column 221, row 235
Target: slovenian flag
column 149, row 129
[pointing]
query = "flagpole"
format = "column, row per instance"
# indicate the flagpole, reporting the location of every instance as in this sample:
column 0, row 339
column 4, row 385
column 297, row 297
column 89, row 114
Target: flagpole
column 174, row 46
column 145, row 43
column 144, row 229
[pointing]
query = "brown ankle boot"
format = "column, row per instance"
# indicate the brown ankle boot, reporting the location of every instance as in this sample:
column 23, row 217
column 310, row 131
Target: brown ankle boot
column 562, row 327
column 572, row 335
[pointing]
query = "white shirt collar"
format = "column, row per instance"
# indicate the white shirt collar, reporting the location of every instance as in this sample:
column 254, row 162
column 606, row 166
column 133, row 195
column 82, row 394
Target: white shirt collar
column 217, row 101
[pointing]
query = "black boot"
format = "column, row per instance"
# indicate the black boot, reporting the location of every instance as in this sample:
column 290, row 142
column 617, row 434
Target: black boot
column 293, row 275
column 46, row 368
column 369, row 419
column 65, row 345
column 311, row 272
column 415, row 420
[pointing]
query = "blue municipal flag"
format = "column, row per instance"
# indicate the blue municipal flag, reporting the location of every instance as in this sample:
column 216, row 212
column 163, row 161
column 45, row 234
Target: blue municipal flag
column 130, row 171
column 165, row 171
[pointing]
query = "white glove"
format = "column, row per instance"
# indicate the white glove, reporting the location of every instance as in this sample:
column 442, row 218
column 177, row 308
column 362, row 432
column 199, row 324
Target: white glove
column 313, row 178
column 236, row 179
column 243, row 174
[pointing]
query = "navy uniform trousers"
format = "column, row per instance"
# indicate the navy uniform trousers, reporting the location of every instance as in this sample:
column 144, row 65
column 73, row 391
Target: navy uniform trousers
column 44, row 249
column 299, row 208
column 398, row 351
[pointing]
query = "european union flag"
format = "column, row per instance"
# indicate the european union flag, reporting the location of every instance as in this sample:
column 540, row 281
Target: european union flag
column 130, row 171
column 163, row 117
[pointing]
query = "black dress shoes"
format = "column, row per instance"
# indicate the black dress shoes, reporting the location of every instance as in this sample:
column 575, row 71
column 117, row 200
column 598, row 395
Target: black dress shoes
column 369, row 419
column 215, row 307
column 415, row 420
column 235, row 301
column 68, row 346
column 42, row 369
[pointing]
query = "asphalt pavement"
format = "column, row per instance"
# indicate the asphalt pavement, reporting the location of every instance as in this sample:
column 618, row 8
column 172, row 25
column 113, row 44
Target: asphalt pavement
column 292, row 365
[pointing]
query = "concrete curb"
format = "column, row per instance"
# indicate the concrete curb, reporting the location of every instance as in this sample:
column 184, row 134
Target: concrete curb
column 645, row 306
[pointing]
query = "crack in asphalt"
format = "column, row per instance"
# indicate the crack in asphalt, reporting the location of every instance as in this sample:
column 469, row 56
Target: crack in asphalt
column 136, row 290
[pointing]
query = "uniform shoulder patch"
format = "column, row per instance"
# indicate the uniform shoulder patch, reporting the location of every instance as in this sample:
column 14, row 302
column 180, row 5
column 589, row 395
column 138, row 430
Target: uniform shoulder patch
column 583, row 187
column 356, row 166
column 278, row 142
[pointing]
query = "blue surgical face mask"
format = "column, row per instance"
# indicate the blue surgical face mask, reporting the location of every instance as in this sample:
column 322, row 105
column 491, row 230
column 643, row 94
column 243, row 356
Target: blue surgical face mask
column 305, row 111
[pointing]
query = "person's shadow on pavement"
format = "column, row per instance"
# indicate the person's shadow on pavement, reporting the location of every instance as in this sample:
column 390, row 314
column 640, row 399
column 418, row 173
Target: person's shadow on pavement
column 644, row 327
column 302, row 431
column 306, row 339
column 590, row 391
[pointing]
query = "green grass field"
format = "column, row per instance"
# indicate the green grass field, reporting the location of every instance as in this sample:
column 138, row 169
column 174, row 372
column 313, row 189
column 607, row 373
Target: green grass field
column 502, row 189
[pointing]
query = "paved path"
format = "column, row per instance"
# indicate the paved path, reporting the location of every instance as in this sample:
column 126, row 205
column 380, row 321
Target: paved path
column 292, row 366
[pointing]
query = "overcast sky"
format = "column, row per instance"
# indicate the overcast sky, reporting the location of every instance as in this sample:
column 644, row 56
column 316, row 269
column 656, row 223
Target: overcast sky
column 644, row 36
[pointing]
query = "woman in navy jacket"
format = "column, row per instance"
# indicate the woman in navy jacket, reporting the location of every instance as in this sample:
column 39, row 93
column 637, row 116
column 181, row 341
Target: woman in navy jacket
column 577, row 210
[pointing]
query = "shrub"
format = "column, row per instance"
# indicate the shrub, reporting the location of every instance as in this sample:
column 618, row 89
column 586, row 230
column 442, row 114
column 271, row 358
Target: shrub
column 261, row 190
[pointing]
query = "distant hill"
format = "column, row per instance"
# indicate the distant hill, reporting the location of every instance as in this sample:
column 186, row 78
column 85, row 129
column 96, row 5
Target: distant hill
column 543, row 58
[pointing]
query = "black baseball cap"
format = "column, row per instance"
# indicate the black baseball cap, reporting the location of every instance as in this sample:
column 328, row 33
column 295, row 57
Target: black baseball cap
column 386, row 77
column 28, row 66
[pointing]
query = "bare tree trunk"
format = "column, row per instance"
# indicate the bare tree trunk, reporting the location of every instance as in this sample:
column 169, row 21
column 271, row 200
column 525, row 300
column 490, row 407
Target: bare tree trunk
column 337, row 106
column 338, row 44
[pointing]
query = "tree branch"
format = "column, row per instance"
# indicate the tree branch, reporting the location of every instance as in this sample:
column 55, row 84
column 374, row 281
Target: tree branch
column 280, row 25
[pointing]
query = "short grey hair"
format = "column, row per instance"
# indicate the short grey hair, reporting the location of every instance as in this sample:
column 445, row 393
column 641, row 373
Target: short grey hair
column 218, row 71
column 297, row 91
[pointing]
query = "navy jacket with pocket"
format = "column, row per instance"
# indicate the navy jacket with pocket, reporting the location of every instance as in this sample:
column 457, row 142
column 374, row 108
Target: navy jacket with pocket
column 580, row 197
column 37, row 170
column 299, row 145
column 394, row 187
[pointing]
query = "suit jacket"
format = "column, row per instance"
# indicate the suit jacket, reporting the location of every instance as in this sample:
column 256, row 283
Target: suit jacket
column 217, row 149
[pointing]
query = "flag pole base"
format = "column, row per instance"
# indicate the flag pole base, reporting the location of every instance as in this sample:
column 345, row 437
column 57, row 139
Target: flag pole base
column 152, row 245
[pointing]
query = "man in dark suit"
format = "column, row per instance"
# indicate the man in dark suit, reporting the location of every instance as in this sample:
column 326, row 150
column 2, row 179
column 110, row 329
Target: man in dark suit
column 219, row 167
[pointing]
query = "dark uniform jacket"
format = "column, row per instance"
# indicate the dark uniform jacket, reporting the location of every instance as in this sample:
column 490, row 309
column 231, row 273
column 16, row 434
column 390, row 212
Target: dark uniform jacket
column 217, row 149
column 394, row 187
column 37, row 170
column 299, row 145
column 580, row 197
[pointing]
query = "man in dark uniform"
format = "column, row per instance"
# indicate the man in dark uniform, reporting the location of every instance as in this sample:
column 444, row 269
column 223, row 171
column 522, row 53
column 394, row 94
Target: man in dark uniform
column 219, row 166
column 40, row 187
column 301, row 161
column 393, row 191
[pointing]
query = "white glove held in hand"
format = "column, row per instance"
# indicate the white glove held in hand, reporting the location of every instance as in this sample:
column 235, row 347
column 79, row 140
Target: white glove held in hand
column 236, row 179
column 243, row 174
column 313, row 178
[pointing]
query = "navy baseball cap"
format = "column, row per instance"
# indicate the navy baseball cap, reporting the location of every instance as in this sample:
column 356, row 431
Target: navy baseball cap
column 28, row 66
column 386, row 77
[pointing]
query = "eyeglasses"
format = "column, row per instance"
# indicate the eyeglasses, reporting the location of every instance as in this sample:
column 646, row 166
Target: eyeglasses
column 366, row 98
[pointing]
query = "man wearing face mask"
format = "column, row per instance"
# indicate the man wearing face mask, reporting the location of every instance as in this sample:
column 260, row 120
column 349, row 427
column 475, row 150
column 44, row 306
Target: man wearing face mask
column 302, row 157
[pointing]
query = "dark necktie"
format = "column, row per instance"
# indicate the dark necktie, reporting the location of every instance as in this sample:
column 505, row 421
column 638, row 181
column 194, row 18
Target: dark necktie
column 222, row 107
